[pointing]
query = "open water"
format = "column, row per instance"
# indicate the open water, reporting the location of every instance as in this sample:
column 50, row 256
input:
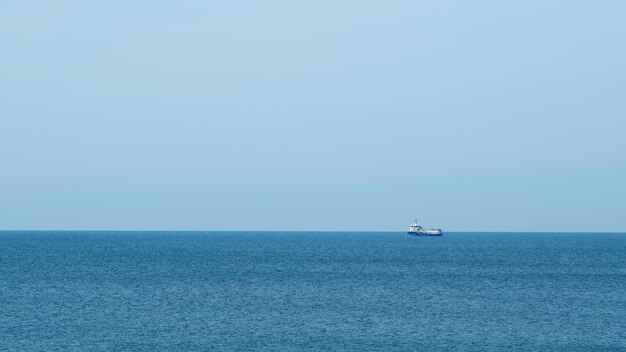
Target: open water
column 279, row 291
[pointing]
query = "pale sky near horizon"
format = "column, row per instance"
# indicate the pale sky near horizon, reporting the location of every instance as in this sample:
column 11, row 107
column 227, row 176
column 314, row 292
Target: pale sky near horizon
column 313, row 115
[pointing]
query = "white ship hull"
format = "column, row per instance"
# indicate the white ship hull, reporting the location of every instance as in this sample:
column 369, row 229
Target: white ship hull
column 425, row 233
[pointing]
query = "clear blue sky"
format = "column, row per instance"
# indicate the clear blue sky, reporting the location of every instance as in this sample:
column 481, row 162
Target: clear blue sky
column 313, row 115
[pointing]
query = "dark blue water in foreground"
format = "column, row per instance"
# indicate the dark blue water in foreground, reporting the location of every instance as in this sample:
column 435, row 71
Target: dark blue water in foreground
column 175, row 291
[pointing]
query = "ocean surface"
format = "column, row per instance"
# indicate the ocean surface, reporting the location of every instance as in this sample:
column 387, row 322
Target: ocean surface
column 311, row 291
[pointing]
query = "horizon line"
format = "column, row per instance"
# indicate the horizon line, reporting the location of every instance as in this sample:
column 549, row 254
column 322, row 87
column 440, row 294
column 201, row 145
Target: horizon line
column 304, row 231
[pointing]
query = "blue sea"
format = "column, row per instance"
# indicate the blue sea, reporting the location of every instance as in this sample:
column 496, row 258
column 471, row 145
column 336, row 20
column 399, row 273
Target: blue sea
column 312, row 291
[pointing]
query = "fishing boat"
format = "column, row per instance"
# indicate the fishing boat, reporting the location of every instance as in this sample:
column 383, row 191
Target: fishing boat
column 417, row 230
